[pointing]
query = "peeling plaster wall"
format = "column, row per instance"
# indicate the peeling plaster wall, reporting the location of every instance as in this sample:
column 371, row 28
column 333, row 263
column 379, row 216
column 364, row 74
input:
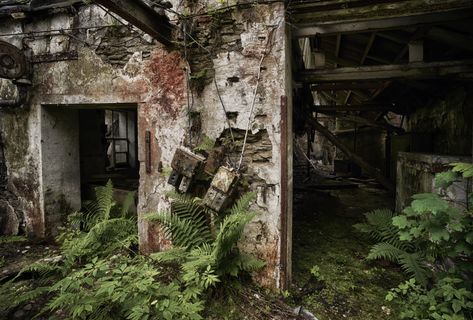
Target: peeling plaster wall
column 60, row 165
column 154, row 79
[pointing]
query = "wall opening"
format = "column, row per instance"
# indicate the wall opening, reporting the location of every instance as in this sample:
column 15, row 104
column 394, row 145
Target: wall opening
column 84, row 146
column 368, row 134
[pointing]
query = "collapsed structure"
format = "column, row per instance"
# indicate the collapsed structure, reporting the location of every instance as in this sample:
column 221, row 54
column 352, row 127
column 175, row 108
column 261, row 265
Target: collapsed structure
column 112, row 90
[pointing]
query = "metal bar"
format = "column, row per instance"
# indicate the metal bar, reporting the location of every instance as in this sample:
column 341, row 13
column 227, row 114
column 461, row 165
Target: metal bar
column 308, row 152
column 284, row 196
column 351, row 26
column 148, row 151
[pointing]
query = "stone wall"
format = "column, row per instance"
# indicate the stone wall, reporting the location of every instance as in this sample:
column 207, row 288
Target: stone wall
column 145, row 74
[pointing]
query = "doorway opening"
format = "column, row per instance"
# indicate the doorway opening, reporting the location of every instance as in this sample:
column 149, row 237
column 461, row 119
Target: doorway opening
column 82, row 147
column 108, row 150
column 377, row 112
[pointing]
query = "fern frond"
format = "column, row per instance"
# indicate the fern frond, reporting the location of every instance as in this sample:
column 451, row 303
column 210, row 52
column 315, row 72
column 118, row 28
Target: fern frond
column 174, row 254
column 104, row 195
column 102, row 239
column 183, row 232
column 385, row 251
column 16, row 298
column 41, row 269
column 129, row 200
column 243, row 203
column 379, row 228
column 234, row 264
column 412, row 263
column 230, row 232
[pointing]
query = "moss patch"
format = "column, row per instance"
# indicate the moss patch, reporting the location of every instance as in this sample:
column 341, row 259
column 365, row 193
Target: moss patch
column 343, row 285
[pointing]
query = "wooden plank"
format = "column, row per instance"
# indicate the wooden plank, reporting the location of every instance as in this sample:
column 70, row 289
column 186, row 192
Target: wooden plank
column 364, row 121
column 351, row 26
column 355, row 107
column 143, row 17
column 416, row 70
column 338, row 86
column 285, row 257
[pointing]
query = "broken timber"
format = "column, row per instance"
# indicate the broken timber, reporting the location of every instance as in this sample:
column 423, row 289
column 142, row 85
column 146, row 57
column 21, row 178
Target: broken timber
column 370, row 170
column 143, row 17
column 461, row 69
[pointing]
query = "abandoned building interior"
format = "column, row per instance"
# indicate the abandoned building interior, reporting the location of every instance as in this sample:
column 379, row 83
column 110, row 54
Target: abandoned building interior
column 324, row 109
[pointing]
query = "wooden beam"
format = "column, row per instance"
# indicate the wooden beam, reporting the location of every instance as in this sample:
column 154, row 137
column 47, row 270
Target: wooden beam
column 369, row 169
column 340, row 61
column 345, row 86
column 368, row 47
column 364, row 121
column 417, row 70
column 337, row 46
column 328, row 96
column 355, row 107
column 143, row 17
column 350, row 26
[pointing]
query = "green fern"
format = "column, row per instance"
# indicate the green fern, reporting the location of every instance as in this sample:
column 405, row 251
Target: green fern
column 191, row 232
column 102, row 239
column 385, row 251
column 380, row 228
column 413, row 264
column 187, row 223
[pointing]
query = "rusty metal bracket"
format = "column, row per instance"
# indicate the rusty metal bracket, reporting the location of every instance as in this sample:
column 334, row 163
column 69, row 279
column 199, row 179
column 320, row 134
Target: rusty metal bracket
column 148, row 151
column 284, row 276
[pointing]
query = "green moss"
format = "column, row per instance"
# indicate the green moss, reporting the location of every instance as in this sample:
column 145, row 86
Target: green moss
column 11, row 239
column 348, row 286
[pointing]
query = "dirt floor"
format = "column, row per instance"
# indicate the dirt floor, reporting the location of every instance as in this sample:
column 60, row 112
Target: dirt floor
column 331, row 277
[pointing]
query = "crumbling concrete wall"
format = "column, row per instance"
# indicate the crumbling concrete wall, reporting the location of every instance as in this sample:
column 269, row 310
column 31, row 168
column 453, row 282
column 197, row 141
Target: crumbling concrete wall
column 416, row 173
column 96, row 71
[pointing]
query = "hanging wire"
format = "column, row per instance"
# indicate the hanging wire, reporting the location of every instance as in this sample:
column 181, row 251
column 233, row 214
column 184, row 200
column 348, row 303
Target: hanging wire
column 222, row 104
column 251, row 112
column 268, row 48
column 189, row 92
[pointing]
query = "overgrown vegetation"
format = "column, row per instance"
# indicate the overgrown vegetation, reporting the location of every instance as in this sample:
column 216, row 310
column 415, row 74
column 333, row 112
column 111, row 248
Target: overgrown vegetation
column 432, row 240
column 99, row 274
column 331, row 277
